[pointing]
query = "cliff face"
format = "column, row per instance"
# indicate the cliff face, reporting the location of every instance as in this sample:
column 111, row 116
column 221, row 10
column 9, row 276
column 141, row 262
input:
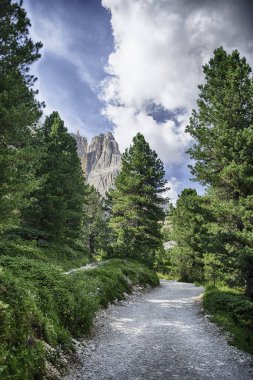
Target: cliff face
column 100, row 160
column 82, row 149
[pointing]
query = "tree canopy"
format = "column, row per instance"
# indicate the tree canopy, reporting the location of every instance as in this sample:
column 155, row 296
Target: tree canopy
column 137, row 203
column 19, row 110
column 223, row 152
column 223, row 125
column 56, row 206
column 189, row 220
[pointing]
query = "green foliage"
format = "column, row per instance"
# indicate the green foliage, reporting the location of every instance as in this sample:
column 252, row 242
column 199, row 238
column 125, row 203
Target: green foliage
column 223, row 153
column 226, row 245
column 47, row 213
column 136, row 204
column 209, row 245
column 61, row 254
column 56, row 206
column 44, row 305
column 233, row 311
column 116, row 276
column 41, row 307
column 212, row 268
column 167, row 276
column 167, row 230
column 19, row 109
column 96, row 233
column 189, row 229
column 162, row 260
column 222, row 126
column 17, row 50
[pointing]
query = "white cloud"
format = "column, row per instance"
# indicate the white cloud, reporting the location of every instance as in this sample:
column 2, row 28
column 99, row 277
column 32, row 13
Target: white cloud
column 149, row 61
column 173, row 191
column 159, row 49
column 167, row 138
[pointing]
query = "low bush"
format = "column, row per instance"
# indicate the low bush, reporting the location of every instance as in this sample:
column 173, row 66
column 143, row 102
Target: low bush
column 233, row 311
column 41, row 307
column 62, row 254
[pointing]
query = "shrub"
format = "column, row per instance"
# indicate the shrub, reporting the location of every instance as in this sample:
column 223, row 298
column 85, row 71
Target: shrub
column 232, row 310
column 40, row 305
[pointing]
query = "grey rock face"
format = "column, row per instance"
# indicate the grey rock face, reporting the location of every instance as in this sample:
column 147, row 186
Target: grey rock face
column 82, row 149
column 100, row 160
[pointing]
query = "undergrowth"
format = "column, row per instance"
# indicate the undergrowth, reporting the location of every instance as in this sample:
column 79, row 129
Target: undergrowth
column 234, row 312
column 167, row 276
column 63, row 255
column 41, row 307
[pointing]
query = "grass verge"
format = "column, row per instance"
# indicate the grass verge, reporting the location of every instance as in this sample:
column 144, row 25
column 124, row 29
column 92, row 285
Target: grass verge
column 42, row 309
column 234, row 312
column 166, row 276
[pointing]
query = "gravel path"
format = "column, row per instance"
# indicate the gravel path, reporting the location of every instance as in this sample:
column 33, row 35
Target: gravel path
column 159, row 335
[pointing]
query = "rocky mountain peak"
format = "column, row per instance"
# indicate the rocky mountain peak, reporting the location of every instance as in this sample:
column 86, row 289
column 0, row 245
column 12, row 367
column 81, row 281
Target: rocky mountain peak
column 101, row 160
column 82, row 148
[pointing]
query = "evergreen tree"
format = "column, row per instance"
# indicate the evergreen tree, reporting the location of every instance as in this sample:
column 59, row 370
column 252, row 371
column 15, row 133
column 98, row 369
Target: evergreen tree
column 18, row 108
column 137, row 204
column 189, row 228
column 222, row 257
column 56, row 207
column 96, row 233
column 223, row 153
column 223, row 126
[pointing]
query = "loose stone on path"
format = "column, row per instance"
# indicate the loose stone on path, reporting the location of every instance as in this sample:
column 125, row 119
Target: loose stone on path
column 160, row 335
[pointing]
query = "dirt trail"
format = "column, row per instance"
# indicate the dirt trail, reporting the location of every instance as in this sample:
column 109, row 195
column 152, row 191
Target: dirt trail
column 87, row 267
column 160, row 335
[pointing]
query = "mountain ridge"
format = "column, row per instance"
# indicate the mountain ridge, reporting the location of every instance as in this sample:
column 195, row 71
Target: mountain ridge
column 100, row 160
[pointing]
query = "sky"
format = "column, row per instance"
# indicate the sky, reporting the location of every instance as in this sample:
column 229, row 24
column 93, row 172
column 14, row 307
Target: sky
column 134, row 66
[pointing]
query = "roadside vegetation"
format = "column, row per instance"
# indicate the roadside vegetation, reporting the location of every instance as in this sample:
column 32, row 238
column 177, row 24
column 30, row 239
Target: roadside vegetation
column 233, row 311
column 52, row 221
column 42, row 308
column 214, row 231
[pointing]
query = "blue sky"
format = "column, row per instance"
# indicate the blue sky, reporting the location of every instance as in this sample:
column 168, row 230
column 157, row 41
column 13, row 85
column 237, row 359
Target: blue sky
column 77, row 41
column 133, row 66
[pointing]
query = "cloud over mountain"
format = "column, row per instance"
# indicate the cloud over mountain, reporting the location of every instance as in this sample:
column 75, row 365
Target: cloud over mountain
column 159, row 49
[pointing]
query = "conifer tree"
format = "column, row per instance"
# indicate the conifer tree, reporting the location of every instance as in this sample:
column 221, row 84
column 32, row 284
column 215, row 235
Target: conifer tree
column 223, row 126
column 96, row 233
column 223, row 152
column 137, row 203
column 189, row 220
column 19, row 109
column 56, row 207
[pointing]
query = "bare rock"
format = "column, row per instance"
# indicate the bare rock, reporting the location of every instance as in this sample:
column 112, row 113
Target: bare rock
column 82, row 149
column 100, row 160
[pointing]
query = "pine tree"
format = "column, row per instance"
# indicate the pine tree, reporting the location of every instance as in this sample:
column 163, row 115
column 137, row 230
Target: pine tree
column 223, row 126
column 189, row 228
column 96, row 233
column 137, row 203
column 223, row 153
column 19, row 109
column 225, row 247
column 56, row 207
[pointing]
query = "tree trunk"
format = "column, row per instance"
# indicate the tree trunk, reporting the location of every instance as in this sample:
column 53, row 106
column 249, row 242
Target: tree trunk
column 249, row 287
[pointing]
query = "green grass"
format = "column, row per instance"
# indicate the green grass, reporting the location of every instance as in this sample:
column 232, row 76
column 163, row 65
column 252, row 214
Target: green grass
column 234, row 312
column 63, row 255
column 40, row 306
column 167, row 276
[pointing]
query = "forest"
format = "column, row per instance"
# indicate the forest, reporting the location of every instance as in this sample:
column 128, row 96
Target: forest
column 52, row 221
